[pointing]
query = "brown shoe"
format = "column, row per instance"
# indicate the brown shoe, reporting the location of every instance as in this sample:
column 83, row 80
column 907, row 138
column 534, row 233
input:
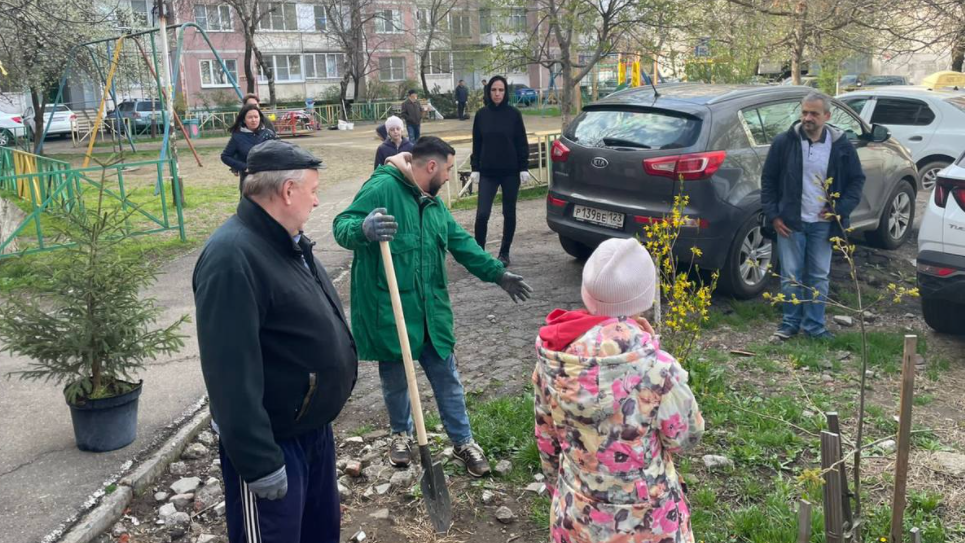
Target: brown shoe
column 472, row 456
column 399, row 453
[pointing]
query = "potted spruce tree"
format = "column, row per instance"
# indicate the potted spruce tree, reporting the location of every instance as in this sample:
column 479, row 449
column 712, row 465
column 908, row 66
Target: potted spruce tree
column 89, row 329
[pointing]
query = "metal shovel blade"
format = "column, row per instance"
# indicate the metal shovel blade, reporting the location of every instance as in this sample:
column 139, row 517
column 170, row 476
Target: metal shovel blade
column 434, row 492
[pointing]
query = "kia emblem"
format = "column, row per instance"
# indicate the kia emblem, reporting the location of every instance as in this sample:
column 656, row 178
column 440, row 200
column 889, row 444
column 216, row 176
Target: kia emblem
column 600, row 162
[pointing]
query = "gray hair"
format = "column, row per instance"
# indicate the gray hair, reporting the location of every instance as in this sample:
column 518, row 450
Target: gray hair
column 815, row 96
column 393, row 121
column 269, row 182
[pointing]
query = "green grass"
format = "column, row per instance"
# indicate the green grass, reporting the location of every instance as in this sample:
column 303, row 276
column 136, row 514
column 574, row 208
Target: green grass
column 364, row 429
column 531, row 193
column 884, row 350
column 740, row 315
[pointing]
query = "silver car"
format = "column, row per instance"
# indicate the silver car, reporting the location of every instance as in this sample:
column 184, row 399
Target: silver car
column 616, row 166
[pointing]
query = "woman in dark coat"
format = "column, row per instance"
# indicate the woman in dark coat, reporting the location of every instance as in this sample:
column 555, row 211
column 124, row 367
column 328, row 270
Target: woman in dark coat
column 500, row 158
column 394, row 143
column 250, row 129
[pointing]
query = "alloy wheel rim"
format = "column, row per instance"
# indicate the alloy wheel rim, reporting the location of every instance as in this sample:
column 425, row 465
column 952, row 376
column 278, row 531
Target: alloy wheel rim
column 928, row 180
column 900, row 216
column 755, row 257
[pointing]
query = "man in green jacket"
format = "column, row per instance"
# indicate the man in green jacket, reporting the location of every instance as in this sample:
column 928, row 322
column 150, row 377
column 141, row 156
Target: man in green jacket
column 399, row 204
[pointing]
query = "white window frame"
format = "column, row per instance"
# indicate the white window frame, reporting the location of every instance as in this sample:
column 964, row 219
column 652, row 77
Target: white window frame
column 440, row 62
column 208, row 66
column 311, row 64
column 224, row 14
column 142, row 18
column 392, row 68
column 323, row 18
column 267, row 24
column 289, row 58
column 391, row 24
column 516, row 20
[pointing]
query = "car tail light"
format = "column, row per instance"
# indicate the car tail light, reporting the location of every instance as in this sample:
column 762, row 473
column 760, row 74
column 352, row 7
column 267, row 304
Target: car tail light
column 937, row 271
column 73, row 117
column 136, row 115
column 689, row 167
column 17, row 120
column 945, row 187
column 555, row 201
column 559, row 152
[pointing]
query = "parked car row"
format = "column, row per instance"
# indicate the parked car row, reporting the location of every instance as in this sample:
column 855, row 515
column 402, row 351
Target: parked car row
column 11, row 128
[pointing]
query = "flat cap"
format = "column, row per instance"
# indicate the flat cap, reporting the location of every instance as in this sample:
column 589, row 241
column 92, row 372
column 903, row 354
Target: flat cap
column 274, row 155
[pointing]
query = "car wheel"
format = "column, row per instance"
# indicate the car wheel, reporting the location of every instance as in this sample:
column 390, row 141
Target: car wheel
column 943, row 316
column 929, row 173
column 747, row 269
column 6, row 138
column 897, row 219
column 575, row 249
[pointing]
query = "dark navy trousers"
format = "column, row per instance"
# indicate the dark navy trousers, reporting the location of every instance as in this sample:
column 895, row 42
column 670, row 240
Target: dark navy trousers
column 309, row 513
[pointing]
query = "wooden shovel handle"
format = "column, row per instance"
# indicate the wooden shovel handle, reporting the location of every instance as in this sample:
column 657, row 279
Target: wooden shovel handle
column 414, row 398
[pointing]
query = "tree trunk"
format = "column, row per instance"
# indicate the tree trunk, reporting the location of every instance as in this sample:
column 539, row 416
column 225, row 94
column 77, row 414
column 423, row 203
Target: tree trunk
column 422, row 73
column 958, row 54
column 39, row 104
column 566, row 102
column 249, row 75
column 800, row 38
column 269, row 73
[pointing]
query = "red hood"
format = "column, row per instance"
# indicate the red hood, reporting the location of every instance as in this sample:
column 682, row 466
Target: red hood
column 564, row 327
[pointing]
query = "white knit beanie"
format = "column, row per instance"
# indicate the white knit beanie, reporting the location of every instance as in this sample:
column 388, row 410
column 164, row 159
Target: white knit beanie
column 619, row 279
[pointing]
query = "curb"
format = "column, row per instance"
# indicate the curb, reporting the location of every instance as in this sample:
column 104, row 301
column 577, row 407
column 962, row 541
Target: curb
column 112, row 506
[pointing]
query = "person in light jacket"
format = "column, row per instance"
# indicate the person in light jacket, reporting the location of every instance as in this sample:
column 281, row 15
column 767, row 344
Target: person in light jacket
column 611, row 410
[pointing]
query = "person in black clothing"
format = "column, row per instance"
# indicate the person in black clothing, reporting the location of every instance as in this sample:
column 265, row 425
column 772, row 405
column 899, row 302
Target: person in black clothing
column 394, row 142
column 412, row 115
column 462, row 96
column 500, row 158
column 278, row 357
column 250, row 129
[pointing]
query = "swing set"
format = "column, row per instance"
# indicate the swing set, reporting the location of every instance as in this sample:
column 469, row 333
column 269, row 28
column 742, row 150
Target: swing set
column 48, row 184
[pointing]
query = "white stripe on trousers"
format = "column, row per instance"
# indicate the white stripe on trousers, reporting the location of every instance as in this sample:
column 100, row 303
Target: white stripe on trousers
column 249, row 510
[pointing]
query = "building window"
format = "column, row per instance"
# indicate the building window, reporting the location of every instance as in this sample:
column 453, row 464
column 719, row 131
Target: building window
column 213, row 76
column 440, row 62
column 516, row 21
column 213, row 18
column 142, row 15
column 280, row 16
column 388, row 21
column 423, row 16
column 392, row 68
column 485, row 21
column 461, row 25
column 287, row 68
column 324, row 65
column 321, row 19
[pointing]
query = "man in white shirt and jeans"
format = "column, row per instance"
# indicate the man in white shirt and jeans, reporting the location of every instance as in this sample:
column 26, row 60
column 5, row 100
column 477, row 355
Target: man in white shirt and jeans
column 796, row 203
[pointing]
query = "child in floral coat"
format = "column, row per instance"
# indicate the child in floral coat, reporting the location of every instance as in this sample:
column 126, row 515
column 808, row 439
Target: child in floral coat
column 611, row 408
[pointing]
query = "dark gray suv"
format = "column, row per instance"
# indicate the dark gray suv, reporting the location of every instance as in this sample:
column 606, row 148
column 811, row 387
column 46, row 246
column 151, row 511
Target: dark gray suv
column 617, row 166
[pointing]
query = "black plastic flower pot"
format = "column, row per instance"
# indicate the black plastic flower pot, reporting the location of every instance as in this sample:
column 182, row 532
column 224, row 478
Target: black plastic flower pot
column 106, row 424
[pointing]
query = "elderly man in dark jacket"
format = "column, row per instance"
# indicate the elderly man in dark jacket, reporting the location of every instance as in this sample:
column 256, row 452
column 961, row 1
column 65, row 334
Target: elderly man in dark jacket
column 412, row 115
column 278, row 357
column 812, row 180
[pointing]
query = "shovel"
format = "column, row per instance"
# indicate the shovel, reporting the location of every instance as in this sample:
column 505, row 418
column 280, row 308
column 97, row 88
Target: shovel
column 433, row 482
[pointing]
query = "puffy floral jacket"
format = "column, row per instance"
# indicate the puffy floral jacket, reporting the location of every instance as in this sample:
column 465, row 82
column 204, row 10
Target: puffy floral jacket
column 610, row 410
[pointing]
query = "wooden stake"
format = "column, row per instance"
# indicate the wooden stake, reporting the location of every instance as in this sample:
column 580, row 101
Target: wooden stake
column 833, row 514
column 803, row 521
column 904, row 435
column 915, row 535
column 834, row 426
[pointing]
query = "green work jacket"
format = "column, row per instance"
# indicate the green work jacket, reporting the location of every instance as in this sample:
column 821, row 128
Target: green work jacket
column 426, row 232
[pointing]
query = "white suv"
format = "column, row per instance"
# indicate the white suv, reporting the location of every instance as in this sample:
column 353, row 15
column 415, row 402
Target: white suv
column 941, row 252
column 929, row 123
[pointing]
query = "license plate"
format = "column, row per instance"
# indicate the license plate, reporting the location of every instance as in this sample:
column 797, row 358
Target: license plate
column 608, row 219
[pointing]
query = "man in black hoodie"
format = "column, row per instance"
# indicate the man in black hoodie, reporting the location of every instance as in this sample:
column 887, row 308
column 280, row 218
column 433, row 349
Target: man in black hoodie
column 500, row 158
column 277, row 355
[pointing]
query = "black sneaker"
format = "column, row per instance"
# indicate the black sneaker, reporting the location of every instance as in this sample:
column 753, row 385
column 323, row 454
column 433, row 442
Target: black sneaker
column 504, row 259
column 822, row 335
column 399, row 453
column 472, row 456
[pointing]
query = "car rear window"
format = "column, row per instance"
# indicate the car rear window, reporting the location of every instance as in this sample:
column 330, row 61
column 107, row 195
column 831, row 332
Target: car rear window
column 886, row 80
column 653, row 129
column 148, row 106
column 126, row 106
column 958, row 101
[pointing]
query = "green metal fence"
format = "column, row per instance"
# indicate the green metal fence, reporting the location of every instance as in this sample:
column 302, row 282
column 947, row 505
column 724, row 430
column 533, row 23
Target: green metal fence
column 47, row 185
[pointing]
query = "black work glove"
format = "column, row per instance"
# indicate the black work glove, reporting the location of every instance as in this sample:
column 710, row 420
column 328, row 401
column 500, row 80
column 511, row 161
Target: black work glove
column 514, row 285
column 378, row 226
